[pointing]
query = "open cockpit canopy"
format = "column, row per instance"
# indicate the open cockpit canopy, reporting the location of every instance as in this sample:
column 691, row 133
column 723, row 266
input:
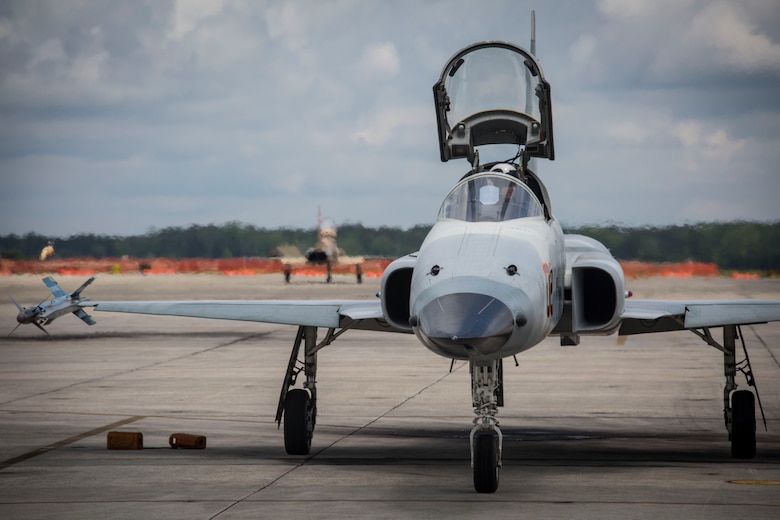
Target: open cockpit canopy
column 493, row 93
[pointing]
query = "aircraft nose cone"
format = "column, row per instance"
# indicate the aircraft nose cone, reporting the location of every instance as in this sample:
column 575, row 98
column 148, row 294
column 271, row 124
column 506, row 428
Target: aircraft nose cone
column 459, row 322
column 22, row 318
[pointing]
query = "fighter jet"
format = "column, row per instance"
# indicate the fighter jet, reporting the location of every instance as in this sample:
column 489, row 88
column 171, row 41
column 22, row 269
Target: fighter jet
column 325, row 252
column 496, row 275
column 48, row 311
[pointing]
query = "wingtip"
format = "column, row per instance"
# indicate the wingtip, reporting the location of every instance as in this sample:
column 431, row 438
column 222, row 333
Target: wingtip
column 16, row 303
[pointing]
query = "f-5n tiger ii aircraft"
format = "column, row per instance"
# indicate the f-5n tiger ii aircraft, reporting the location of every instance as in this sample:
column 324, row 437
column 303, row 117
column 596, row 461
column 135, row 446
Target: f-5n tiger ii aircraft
column 496, row 275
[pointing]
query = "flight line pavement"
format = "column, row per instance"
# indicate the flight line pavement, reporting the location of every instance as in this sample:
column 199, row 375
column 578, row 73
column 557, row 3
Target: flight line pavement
column 607, row 429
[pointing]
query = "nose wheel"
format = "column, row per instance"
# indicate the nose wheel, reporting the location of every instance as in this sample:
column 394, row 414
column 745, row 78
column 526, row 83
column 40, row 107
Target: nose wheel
column 486, row 439
column 486, row 460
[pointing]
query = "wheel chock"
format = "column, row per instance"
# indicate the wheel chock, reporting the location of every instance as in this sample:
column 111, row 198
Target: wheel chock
column 187, row 441
column 125, row 441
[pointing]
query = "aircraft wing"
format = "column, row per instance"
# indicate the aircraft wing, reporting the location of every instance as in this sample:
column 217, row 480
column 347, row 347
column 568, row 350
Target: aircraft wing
column 644, row 316
column 357, row 314
column 86, row 318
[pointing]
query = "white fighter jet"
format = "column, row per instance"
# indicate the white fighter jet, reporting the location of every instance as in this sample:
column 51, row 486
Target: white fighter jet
column 495, row 275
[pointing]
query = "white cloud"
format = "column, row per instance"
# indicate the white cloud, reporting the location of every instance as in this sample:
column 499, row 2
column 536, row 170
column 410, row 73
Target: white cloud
column 644, row 10
column 189, row 14
column 673, row 41
column 721, row 28
column 380, row 60
column 688, row 132
column 49, row 52
column 582, row 50
column 287, row 22
column 627, row 131
column 387, row 124
column 624, row 8
column 87, row 68
column 719, row 146
column 707, row 143
column 8, row 32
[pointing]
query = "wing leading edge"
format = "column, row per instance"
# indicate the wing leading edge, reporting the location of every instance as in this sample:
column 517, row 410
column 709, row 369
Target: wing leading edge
column 358, row 314
column 645, row 316
column 639, row 316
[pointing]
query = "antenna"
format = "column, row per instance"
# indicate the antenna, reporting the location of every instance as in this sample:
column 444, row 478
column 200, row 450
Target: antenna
column 528, row 95
column 531, row 163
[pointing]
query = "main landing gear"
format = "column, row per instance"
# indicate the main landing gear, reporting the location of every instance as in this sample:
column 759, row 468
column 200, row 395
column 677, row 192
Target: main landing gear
column 739, row 409
column 298, row 406
column 486, row 439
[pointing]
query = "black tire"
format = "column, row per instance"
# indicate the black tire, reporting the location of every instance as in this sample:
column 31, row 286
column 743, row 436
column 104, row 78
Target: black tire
column 743, row 425
column 298, row 427
column 486, row 461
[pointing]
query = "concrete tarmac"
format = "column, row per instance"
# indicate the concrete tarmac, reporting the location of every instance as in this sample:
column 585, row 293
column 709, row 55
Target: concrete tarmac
column 607, row 429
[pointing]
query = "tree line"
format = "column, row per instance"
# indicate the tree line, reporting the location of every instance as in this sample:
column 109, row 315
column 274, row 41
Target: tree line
column 732, row 245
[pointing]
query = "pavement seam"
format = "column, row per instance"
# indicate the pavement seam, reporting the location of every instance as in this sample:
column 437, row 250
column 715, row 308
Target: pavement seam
column 766, row 347
column 40, row 451
column 131, row 370
column 348, row 435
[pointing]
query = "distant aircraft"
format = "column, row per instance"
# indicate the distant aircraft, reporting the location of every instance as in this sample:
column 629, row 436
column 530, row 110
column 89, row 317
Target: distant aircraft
column 47, row 311
column 496, row 275
column 326, row 252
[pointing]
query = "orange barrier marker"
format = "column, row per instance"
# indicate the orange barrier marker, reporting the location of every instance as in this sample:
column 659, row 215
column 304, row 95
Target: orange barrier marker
column 187, row 441
column 125, row 441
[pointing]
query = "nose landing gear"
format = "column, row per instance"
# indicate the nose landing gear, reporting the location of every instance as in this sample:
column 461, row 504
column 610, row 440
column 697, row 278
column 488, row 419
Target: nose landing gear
column 486, row 439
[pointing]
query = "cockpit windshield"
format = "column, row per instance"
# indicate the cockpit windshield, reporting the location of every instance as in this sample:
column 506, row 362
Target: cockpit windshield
column 489, row 197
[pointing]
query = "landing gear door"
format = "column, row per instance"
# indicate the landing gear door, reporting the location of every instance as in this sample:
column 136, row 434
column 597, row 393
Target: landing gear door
column 493, row 93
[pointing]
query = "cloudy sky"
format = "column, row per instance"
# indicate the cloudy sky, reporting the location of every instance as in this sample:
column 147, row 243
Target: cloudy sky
column 119, row 117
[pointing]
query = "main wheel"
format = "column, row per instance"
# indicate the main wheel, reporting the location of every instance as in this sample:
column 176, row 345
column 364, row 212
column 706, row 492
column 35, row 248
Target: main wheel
column 743, row 425
column 486, row 461
column 298, row 424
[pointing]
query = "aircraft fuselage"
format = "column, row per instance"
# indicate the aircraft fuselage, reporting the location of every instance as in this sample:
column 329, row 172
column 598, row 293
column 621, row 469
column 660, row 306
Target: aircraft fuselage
column 488, row 290
column 488, row 280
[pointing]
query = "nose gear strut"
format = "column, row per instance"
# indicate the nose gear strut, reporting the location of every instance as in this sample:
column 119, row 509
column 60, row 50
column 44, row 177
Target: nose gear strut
column 485, row 438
